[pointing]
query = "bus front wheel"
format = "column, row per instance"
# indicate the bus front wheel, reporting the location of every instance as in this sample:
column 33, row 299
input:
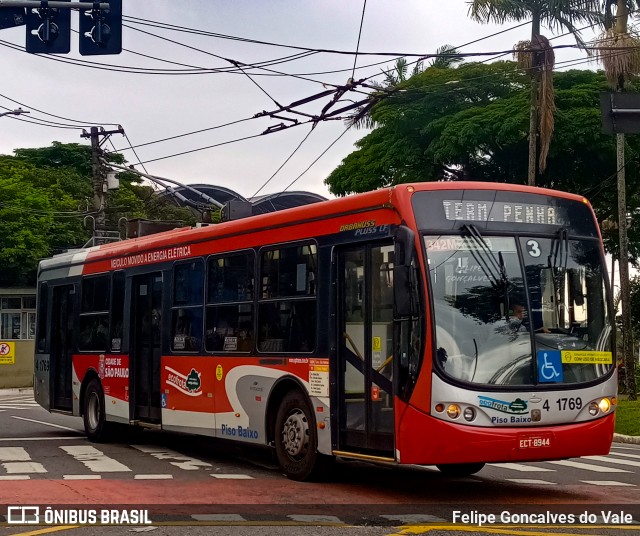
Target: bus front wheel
column 296, row 437
column 95, row 425
column 460, row 469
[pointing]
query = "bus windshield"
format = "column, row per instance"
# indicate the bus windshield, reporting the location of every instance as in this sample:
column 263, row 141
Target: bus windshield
column 518, row 310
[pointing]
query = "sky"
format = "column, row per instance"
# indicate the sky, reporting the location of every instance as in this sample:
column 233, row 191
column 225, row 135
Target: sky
column 152, row 107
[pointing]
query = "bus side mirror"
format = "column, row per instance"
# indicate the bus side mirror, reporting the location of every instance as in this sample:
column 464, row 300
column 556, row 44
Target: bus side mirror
column 402, row 291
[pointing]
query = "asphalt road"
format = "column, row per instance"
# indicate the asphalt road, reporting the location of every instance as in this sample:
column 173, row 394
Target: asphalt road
column 45, row 461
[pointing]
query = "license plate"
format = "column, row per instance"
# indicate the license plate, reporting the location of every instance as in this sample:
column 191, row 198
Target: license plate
column 534, row 441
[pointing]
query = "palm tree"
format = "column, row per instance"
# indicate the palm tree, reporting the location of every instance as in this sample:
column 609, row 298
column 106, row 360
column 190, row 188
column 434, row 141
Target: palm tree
column 618, row 50
column 537, row 55
column 445, row 57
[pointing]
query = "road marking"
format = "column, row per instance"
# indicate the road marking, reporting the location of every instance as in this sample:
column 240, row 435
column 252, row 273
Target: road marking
column 81, row 477
column 625, row 454
column 531, row 481
column 236, row 518
column 95, row 459
column 16, row 460
column 153, row 477
column 608, row 459
column 47, row 530
column 45, row 423
column 522, row 467
column 233, row 477
column 180, row 460
column 318, row 518
column 589, row 467
column 606, row 483
column 21, row 439
column 14, row 454
column 15, row 477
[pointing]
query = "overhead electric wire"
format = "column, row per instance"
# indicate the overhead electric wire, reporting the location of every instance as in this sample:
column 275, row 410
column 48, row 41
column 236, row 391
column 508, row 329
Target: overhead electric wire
column 284, row 163
column 355, row 58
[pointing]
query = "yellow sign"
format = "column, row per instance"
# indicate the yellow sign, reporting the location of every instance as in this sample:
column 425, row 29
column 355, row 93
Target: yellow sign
column 587, row 357
column 377, row 344
column 219, row 372
column 7, row 353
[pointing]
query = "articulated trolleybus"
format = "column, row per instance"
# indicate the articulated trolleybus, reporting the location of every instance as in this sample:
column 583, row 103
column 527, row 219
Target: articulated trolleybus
column 440, row 323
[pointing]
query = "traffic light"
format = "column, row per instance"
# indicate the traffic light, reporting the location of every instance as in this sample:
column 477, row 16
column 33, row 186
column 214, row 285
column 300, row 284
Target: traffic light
column 48, row 29
column 101, row 30
column 11, row 16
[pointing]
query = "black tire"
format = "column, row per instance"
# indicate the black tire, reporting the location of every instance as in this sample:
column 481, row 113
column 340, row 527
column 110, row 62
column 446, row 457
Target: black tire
column 296, row 437
column 95, row 425
column 460, row 469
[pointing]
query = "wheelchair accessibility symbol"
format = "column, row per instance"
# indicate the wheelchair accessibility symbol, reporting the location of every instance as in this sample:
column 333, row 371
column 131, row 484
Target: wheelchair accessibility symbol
column 550, row 366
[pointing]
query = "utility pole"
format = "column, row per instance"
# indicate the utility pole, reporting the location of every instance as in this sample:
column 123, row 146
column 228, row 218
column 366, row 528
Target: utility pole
column 99, row 178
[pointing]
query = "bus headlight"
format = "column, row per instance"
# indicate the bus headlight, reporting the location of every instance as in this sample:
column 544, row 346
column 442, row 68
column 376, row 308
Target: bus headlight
column 604, row 405
column 453, row 411
column 594, row 409
column 469, row 414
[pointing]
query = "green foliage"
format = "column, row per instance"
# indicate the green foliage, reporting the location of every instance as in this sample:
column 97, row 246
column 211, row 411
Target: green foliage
column 46, row 194
column 471, row 123
column 628, row 417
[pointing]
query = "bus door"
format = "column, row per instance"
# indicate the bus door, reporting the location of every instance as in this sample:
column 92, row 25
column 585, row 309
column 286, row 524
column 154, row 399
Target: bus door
column 146, row 340
column 62, row 329
column 365, row 334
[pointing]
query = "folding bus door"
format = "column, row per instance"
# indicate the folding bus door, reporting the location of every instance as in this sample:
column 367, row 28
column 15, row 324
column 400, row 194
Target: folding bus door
column 146, row 346
column 365, row 332
column 62, row 329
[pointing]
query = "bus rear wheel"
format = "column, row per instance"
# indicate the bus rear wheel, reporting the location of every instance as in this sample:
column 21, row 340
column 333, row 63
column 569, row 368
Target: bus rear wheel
column 460, row 469
column 95, row 425
column 296, row 437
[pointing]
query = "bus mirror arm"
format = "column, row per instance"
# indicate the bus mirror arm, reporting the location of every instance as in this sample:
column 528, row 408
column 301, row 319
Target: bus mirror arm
column 402, row 291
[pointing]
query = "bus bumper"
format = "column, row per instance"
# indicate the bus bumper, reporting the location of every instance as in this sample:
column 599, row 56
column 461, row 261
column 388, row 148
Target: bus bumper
column 433, row 441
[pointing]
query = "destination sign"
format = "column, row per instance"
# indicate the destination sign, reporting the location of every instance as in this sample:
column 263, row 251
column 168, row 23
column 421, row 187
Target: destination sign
column 500, row 211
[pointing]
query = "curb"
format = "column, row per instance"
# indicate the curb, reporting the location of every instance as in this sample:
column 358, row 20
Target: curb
column 619, row 438
column 16, row 391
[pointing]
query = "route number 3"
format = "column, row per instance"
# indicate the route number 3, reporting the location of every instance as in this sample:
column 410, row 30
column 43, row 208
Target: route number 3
column 533, row 248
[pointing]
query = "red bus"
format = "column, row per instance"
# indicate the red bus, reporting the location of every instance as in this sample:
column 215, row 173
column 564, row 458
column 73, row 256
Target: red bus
column 438, row 323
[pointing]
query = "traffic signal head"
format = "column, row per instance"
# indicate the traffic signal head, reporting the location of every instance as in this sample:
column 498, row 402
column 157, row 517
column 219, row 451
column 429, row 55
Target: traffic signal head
column 48, row 30
column 11, row 16
column 101, row 30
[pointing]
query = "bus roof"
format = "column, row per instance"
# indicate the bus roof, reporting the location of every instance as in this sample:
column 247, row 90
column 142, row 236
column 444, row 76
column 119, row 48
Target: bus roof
column 381, row 198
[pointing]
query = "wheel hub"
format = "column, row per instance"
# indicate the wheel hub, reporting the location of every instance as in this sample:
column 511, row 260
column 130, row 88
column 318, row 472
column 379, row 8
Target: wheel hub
column 295, row 433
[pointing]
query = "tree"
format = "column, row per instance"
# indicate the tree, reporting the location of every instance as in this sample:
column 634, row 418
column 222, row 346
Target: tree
column 45, row 197
column 471, row 123
column 536, row 55
column 446, row 56
column 619, row 52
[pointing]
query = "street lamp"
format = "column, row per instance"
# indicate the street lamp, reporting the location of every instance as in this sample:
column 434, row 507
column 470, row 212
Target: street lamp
column 14, row 112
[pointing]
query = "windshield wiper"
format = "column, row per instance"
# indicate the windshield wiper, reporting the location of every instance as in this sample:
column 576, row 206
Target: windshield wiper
column 560, row 254
column 494, row 269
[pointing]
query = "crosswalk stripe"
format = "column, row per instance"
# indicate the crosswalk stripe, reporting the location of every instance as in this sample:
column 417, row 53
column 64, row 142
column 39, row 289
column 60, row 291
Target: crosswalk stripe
column 95, row 460
column 16, row 460
column 14, row 477
column 589, row 467
column 606, row 483
column 531, row 481
column 233, row 476
column 153, row 477
column 608, row 459
column 81, row 477
column 179, row 460
column 625, row 454
column 522, row 467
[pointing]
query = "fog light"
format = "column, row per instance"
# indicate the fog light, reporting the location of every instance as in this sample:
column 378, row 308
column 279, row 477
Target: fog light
column 469, row 414
column 605, row 405
column 439, row 408
column 593, row 409
column 453, row 411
